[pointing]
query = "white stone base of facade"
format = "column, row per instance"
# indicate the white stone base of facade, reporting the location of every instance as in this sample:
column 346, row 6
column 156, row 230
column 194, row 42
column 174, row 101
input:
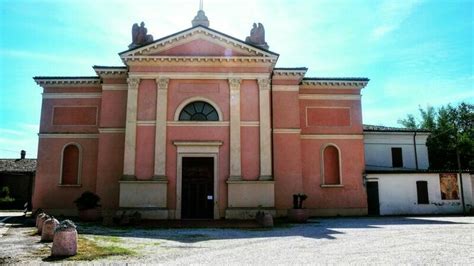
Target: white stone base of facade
column 146, row 213
column 143, row 194
column 330, row 212
column 251, row 194
column 246, row 213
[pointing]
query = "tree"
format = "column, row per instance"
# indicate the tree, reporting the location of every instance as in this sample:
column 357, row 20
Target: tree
column 451, row 132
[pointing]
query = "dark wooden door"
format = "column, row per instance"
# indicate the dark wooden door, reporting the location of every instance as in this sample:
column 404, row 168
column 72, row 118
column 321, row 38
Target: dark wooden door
column 373, row 198
column 197, row 198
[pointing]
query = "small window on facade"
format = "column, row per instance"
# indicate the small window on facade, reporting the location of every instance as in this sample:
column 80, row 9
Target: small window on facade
column 71, row 165
column 331, row 173
column 397, row 159
column 198, row 111
column 422, row 192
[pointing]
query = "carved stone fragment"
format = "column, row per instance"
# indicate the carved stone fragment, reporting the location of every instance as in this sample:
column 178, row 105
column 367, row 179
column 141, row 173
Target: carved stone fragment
column 257, row 36
column 49, row 226
column 65, row 240
column 140, row 36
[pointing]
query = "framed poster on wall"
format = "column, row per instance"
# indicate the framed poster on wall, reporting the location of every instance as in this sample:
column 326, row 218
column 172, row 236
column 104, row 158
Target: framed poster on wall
column 448, row 183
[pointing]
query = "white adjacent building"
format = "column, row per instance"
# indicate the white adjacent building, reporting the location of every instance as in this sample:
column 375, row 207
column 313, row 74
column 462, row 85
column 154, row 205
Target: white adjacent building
column 398, row 181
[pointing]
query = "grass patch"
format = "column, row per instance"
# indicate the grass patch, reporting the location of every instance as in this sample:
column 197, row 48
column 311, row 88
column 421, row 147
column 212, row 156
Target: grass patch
column 89, row 250
column 33, row 232
column 112, row 239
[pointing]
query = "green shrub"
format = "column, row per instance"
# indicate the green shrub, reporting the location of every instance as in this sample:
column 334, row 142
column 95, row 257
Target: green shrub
column 5, row 195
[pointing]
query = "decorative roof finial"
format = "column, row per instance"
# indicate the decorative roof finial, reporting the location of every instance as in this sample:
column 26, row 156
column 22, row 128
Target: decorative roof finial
column 200, row 18
column 140, row 36
column 257, row 36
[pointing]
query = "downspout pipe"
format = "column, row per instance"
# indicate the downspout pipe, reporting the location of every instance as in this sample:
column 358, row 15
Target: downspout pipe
column 414, row 148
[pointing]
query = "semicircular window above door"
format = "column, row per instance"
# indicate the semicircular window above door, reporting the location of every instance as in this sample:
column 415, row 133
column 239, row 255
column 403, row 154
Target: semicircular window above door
column 198, row 111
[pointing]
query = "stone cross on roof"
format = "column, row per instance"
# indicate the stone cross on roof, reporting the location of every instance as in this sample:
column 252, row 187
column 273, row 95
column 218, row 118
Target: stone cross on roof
column 200, row 18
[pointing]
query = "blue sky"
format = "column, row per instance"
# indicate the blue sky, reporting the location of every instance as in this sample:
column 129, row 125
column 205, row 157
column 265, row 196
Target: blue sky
column 416, row 53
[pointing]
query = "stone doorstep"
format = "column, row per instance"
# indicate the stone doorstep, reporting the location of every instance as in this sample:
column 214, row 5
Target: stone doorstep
column 148, row 213
column 156, row 213
column 247, row 213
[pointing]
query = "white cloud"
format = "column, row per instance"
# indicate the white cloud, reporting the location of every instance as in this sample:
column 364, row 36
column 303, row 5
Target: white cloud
column 391, row 14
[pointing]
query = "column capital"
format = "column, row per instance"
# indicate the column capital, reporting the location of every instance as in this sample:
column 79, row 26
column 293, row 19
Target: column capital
column 162, row 83
column 264, row 84
column 234, row 83
column 133, row 83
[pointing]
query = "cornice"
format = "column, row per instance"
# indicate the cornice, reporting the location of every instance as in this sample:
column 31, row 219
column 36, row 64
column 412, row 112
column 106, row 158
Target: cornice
column 286, row 88
column 69, row 95
column 111, row 72
column 197, row 143
column 68, row 136
column 289, row 73
column 344, row 84
column 111, row 130
column 200, row 59
column 189, row 33
column 67, row 81
column 331, row 136
column 406, row 133
column 287, row 131
column 329, row 97
column 197, row 75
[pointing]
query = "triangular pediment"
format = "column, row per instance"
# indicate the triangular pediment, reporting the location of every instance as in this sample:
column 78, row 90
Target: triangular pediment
column 198, row 42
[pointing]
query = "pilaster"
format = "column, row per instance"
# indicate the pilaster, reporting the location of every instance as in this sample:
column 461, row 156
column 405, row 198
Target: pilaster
column 235, row 159
column 160, row 130
column 131, row 129
column 265, row 130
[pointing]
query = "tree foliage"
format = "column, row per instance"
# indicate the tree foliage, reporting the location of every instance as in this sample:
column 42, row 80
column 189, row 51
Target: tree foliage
column 451, row 131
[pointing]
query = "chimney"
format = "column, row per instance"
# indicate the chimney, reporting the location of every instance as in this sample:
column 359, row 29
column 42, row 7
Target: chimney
column 22, row 154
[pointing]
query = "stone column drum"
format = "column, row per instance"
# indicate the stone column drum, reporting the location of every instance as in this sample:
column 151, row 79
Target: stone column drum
column 38, row 217
column 49, row 226
column 65, row 240
column 41, row 222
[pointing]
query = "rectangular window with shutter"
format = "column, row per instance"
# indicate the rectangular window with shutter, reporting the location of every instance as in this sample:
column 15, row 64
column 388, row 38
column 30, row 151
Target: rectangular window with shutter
column 397, row 159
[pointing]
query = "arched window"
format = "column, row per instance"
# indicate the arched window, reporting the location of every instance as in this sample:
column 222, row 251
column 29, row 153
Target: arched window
column 331, row 169
column 198, row 111
column 71, row 165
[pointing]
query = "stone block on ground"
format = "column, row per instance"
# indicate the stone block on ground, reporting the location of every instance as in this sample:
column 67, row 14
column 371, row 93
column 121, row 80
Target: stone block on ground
column 65, row 240
column 38, row 217
column 264, row 219
column 49, row 226
column 41, row 222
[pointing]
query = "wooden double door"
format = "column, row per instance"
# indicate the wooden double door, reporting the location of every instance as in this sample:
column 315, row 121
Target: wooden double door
column 197, row 197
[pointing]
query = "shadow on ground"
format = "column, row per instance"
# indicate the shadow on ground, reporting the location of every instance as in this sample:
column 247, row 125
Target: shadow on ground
column 189, row 231
column 186, row 231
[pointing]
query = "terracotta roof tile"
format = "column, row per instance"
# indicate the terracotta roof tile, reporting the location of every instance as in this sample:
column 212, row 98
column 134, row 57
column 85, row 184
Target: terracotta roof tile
column 17, row 165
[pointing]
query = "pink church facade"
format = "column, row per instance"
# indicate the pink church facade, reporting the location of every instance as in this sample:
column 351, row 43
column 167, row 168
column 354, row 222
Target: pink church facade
column 199, row 124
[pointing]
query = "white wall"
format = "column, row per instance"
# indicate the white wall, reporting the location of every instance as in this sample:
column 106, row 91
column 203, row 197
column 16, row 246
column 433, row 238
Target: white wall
column 378, row 149
column 398, row 194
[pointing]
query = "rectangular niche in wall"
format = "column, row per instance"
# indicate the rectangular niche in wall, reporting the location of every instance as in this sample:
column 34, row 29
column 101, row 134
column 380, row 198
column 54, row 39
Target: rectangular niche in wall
column 329, row 116
column 75, row 116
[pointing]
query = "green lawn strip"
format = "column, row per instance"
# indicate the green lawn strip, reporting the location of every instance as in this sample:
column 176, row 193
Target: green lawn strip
column 89, row 249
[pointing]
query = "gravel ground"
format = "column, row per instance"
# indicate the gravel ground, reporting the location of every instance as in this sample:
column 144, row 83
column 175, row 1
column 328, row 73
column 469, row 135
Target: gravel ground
column 386, row 240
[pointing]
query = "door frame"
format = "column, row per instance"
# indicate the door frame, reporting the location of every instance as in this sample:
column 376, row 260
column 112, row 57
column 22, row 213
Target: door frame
column 378, row 196
column 197, row 149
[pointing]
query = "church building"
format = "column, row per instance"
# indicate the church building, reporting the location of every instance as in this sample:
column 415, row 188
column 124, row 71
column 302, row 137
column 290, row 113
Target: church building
column 201, row 125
